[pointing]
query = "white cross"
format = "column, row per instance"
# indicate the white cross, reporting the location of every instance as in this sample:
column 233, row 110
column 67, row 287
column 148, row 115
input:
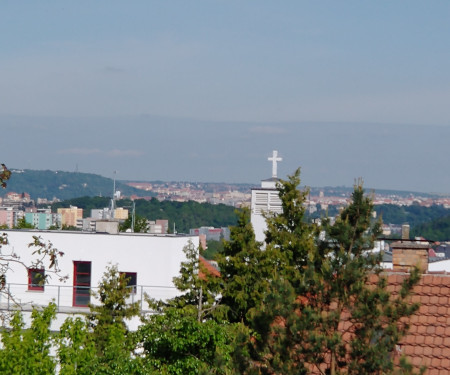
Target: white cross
column 274, row 159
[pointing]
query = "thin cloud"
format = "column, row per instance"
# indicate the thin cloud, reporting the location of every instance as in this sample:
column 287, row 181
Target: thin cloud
column 79, row 151
column 113, row 69
column 267, row 130
column 120, row 153
column 92, row 151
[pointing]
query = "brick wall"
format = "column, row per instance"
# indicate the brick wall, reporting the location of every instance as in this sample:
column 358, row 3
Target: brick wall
column 406, row 255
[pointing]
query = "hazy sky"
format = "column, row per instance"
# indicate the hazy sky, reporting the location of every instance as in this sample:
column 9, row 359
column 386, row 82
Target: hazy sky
column 204, row 90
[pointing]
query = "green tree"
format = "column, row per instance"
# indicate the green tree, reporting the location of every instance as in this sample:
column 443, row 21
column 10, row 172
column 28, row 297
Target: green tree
column 245, row 270
column 109, row 317
column 27, row 351
column 76, row 349
column 102, row 344
column 213, row 249
column 175, row 342
column 320, row 280
column 22, row 224
column 200, row 289
column 187, row 334
column 140, row 224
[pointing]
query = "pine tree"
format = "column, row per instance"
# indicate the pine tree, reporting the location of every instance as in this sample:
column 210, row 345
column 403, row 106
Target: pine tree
column 322, row 284
column 245, row 270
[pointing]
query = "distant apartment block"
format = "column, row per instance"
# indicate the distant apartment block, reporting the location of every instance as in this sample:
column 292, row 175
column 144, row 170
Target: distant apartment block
column 43, row 220
column 69, row 216
column 7, row 216
column 120, row 213
column 17, row 200
column 17, row 197
column 158, row 227
column 211, row 233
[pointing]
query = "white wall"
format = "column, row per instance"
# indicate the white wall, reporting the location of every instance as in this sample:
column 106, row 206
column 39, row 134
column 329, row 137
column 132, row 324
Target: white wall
column 155, row 258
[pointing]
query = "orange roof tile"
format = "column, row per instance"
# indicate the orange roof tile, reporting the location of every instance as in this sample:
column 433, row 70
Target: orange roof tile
column 428, row 339
column 208, row 267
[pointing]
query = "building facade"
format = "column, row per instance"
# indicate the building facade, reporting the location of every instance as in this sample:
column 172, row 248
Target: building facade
column 150, row 261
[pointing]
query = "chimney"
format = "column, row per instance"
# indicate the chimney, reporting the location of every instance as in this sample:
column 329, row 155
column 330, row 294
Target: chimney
column 408, row 254
column 405, row 232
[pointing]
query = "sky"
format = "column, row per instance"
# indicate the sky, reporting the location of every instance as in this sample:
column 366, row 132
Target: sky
column 205, row 90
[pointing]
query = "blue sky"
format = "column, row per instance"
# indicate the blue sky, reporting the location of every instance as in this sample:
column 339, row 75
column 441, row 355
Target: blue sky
column 218, row 69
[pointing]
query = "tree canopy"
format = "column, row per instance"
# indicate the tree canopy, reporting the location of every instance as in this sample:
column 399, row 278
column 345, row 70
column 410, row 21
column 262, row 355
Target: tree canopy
column 276, row 308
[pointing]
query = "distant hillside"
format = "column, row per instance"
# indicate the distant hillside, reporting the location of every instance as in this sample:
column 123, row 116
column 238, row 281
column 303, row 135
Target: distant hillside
column 64, row 185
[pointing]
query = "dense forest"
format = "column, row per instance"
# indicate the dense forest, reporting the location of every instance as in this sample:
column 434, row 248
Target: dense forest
column 64, row 185
column 435, row 230
column 414, row 215
column 185, row 215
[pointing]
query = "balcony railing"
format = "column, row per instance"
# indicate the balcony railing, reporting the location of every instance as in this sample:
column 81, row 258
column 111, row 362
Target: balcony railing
column 19, row 297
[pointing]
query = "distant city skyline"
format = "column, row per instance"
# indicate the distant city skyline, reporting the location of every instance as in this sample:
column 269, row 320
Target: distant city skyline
column 148, row 148
column 205, row 90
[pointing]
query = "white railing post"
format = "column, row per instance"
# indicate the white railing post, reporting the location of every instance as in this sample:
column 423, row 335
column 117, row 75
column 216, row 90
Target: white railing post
column 59, row 294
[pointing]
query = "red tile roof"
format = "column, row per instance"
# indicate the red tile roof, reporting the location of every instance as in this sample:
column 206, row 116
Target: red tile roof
column 207, row 267
column 428, row 340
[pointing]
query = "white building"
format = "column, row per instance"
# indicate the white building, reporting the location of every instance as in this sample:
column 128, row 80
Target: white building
column 265, row 200
column 150, row 261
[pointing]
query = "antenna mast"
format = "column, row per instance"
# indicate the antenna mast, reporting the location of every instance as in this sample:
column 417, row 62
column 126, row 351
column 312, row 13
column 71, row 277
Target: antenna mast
column 113, row 200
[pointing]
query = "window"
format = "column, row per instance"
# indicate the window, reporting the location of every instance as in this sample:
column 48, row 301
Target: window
column 81, row 283
column 131, row 278
column 36, row 279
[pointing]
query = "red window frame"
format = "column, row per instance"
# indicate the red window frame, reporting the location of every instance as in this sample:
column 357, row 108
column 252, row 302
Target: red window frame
column 36, row 279
column 81, row 283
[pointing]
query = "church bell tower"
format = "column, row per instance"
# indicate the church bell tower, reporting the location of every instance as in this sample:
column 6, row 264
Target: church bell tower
column 265, row 199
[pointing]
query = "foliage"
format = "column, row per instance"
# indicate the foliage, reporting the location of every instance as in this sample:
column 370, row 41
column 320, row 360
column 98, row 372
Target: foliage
column 185, row 215
column 200, row 289
column 101, row 344
column 435, row 230
column 213, row 249
column 414, row 214
column 65, row 185
column 245, row 270
column 86, row 203
column 187, row 335
column 140, row 224
column 278, row 307
column 27, row 351
column 319, row 280
column 76, row 349
column 22, row 224
column 5, row 175
column 175, row 342
column 108, row 318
